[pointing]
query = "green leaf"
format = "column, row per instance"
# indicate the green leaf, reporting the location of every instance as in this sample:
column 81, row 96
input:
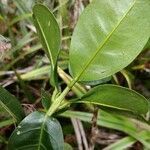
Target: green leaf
column 97, row 82
column 11, row 105
column 109, row 35
column 147, row 46
column 49, row 34
column 37, row 132
column 116, row 97
column 67, row 146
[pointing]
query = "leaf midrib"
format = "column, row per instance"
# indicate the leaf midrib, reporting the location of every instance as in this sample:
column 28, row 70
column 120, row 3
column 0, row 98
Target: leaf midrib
column 47, row 45
column 41, row 131
column 105, row 41
column 107, row 105
column 9, row 111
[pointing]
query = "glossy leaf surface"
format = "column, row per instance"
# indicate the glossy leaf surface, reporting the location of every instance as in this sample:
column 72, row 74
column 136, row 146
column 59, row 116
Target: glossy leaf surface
column 116, row 97
column 108, row 36
column 49, row 34
column 11, row 105
column 37, row 132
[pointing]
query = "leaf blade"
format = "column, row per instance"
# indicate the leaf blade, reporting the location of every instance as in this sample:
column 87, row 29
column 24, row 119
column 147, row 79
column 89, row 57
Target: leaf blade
column 108, row 43
column 11, row 105
column 44, row 133
column 49, row 34
column 116, row 97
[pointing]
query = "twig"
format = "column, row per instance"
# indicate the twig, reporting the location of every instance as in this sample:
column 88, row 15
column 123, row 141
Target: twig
column 77, row 9
column 94, row 129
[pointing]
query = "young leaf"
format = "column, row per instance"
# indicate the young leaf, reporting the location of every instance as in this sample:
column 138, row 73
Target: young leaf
column 116, row 97
column 108, row 36
column 37, row 131
column 49, row 35
column 11, row 105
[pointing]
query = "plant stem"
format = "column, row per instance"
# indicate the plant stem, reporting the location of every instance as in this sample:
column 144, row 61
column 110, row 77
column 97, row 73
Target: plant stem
column 77, row 88
column 57, row 102
column 55, row 105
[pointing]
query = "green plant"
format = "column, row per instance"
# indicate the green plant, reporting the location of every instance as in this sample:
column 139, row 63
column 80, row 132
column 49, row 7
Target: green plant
column 107, row 38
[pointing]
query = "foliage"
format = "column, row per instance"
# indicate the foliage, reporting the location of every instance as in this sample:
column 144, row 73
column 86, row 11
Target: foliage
column 106, row 39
